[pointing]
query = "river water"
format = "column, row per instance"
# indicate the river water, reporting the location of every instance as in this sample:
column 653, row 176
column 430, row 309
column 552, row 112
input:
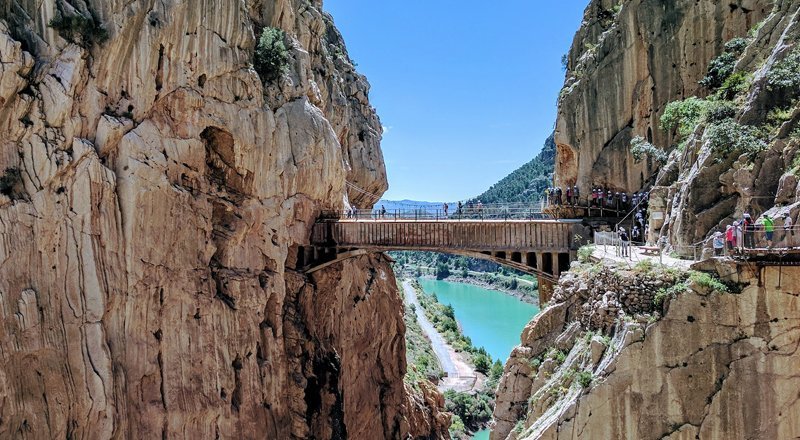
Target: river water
column 492, row 319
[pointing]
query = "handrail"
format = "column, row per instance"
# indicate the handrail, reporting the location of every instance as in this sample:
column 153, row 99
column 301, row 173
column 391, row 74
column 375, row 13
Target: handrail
column 616, row 227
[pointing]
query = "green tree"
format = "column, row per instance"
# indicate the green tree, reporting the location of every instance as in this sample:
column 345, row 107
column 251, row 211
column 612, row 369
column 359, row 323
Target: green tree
column 271, row 58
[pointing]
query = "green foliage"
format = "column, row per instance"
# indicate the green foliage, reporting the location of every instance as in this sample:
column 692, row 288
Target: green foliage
column 585, row 378
column 519, row 427
column 784, row 76
column 720, row 110
column 684, row 115
column 457, row 428
column 585, row 253
column 442, row 271
column 564, row 61
column 738, row 82
column 721, row 67
column 618, row 7
column 527, row 183
column 422, row 361
column 641, row 148
column 473, row 410
column 669, row 292
column 271, row 59
column 777, row 116
column 78, row 29
column 482, row 362
column 644, row 266
column 556, row 355
column 706, row 280
column 729, row 137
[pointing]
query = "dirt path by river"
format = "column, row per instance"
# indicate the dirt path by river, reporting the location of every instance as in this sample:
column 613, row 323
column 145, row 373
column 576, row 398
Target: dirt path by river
column 461, row 376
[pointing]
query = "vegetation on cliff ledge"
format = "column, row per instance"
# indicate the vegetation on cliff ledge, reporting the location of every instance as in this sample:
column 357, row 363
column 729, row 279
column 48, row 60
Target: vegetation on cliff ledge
column 271, row 59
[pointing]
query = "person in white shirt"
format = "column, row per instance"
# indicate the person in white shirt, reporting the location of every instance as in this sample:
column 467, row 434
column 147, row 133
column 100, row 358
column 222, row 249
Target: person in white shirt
column 788, row 232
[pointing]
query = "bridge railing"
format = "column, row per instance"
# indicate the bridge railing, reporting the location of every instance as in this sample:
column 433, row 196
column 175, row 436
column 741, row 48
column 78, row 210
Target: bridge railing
column 485, row 212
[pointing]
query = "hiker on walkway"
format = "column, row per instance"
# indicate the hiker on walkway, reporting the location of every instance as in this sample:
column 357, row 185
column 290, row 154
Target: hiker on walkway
column 769, row 228
column 788, row 232
column 547, row 195
column 719, row 243
column 383, row 211
column 558, row 196
column 626, row 244
column 569, row 195
column 576, row 193
column 594, row 196
column 636, row 234
column 739, row 234
column 480, row 209
column 749, row 231
column 459, row 209
column 730, row 238
column 624, row 201
column 445, row 207
column 610, row 199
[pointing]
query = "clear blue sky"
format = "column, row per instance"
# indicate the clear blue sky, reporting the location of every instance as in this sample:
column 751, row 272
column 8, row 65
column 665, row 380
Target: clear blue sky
column 466, row 90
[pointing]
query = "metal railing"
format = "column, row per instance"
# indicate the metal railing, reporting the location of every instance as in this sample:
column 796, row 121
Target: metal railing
column 475, row 212
column 780, row 241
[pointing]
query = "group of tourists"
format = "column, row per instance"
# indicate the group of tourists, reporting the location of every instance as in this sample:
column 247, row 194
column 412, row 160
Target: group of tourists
column 571, row 195
column 600, row 197
column 746, row 234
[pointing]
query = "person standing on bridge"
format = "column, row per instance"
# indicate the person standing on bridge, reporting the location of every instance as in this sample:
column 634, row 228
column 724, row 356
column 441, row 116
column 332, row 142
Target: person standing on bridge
column 788, row 232
column 576, row 194
column 769, row 228
column 718, row 242
column 625, row 240
column 480, row 209
column 460, row 207
column 569, row 195
column 383, row 211
column 749, row 231
column 730, row 238
column 445, row 207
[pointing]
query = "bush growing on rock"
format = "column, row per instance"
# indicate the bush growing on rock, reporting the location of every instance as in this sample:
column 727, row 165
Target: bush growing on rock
column 707, row 281
column 10, row 181
column 721, row 67
column 729, row 137
column 78, row 29
column 641, row 148
column 784, row 76
column 684, row 115
column 584, row 378
column 271, row 58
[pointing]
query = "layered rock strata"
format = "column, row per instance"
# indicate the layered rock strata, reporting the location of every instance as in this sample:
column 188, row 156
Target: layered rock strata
column 627, row 61
column 154, row 196
column 717, row 365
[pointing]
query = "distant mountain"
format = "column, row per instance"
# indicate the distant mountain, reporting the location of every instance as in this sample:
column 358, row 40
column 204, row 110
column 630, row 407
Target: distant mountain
column 528, row 182
column 405, row 205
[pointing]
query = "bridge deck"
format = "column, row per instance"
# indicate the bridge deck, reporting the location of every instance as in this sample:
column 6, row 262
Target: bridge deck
column 443, row 235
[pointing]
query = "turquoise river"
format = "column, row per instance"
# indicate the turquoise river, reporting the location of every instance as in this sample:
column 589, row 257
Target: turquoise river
column 492, row 319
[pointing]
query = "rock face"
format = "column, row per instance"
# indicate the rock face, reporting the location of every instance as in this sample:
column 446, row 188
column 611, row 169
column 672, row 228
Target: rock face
column 628, row 60
column 717, row 365
column 154, row 196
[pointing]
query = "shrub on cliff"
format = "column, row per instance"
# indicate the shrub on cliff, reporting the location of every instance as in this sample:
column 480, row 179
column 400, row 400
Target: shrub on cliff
column 684, row 115
column 78, row 29
column 728, row 137
column 271, row 59
column 641, row 148
column 721, row 67
column 784, row 76
column 10, row 181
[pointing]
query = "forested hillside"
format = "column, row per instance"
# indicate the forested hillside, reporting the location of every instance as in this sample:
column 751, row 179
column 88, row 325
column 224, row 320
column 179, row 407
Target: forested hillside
column 528, row 182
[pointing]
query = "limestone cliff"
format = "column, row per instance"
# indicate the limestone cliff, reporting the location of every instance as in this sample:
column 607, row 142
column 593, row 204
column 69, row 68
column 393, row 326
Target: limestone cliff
column 716, row 366
column 154, row 194
column 628, row 60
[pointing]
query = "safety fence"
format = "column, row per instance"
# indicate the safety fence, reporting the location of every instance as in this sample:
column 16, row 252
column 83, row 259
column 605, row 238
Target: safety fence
column 429, row 213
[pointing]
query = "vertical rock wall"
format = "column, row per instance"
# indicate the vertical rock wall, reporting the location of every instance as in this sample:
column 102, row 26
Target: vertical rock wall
column 628, row 60
column 154, row 194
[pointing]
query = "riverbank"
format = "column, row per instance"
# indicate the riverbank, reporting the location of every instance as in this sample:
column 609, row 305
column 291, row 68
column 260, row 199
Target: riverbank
column 520, row 295
column 459, row 373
